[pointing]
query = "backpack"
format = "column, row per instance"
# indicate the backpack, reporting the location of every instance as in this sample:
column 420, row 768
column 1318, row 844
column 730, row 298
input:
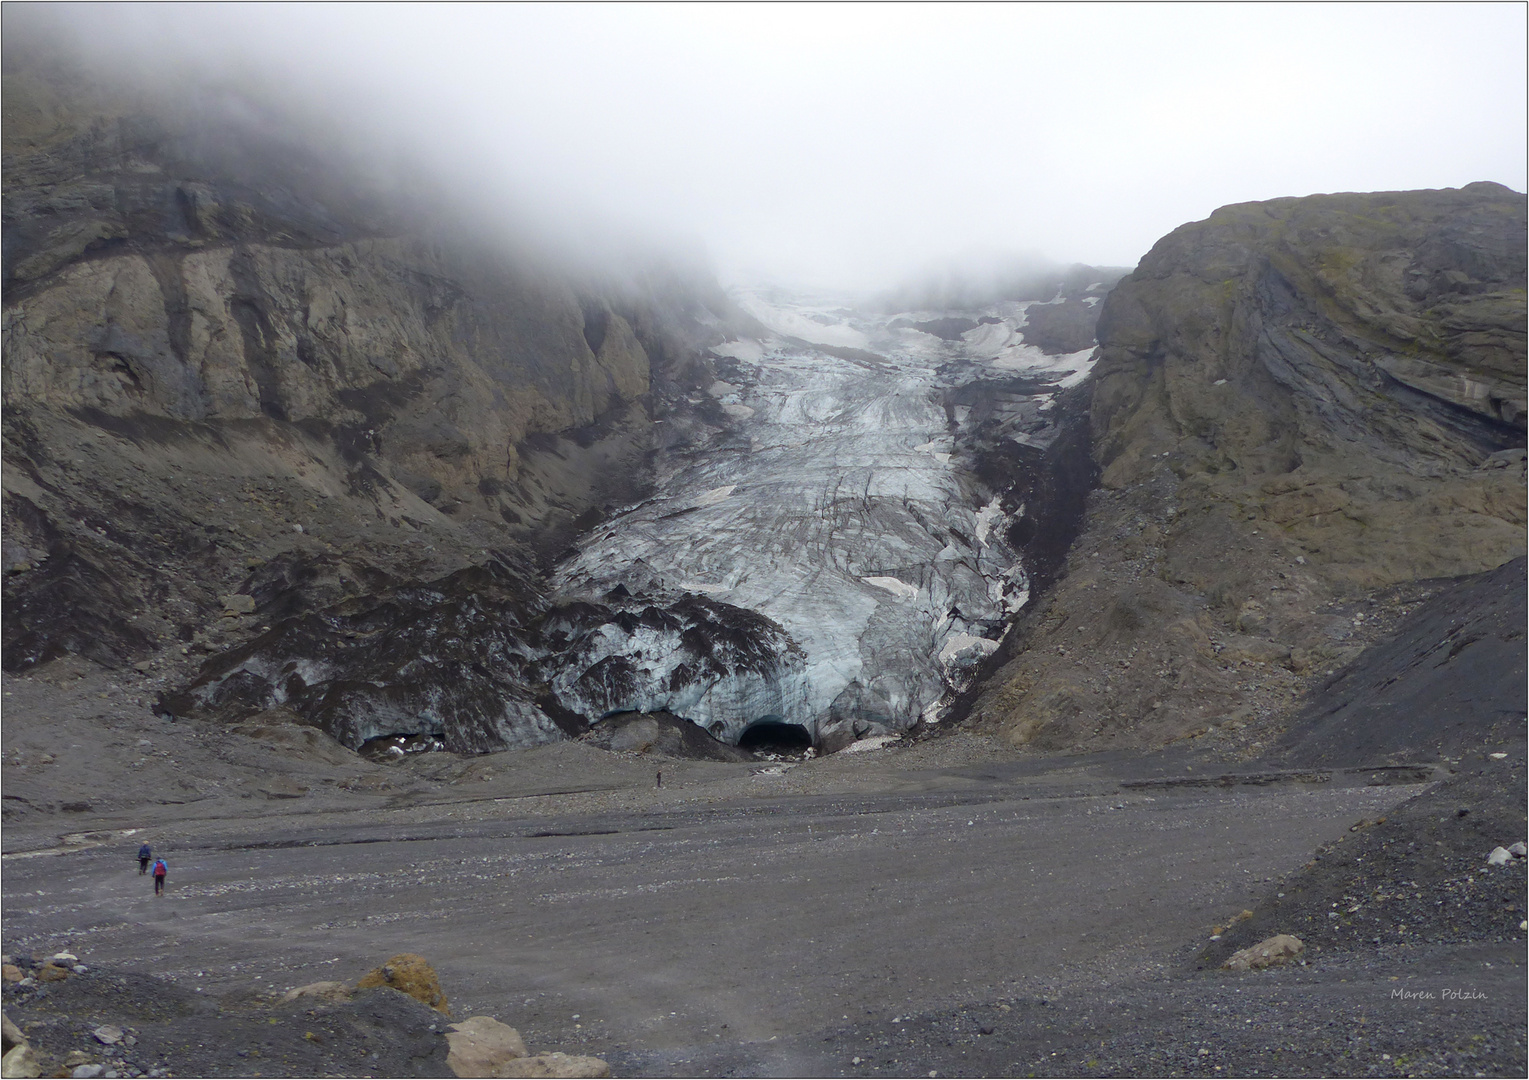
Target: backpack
column 145, row 851
column 160, row 869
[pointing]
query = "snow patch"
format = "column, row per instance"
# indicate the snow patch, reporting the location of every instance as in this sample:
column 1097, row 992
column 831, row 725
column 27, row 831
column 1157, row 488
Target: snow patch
column 875, row 742
column 746, row 349
column 985, row 518
column 895, row 586
column 798, row 323
column 715, row 495
column 966, row 649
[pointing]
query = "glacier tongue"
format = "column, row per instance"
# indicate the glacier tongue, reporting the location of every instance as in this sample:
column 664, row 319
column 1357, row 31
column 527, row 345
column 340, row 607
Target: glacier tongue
column 819, row 504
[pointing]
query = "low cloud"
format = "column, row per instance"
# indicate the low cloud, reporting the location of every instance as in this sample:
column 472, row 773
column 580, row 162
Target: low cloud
column 856, row 145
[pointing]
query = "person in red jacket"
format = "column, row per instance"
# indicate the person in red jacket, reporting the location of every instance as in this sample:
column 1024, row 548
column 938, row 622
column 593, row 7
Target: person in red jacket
column 160, row 870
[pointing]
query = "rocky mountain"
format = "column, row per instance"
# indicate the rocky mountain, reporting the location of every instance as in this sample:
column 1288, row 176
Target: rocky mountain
column 1306, row 413
column 287, row 430
column 246, row 378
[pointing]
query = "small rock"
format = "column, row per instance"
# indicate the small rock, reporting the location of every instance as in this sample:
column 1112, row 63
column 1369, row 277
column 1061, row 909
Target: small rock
column 237, row 604
column 281, row 787
column 10, row 1035
column 1497, row 757
column 88, row 1071
column 10, row 973
column 1499, row 856
column 76, row 1058
column 1267, row 953
column 480, row 1044
column 324, row 991
column 1518, row 850
column 51, row 972
column 554, row 1065
column 108, row 1034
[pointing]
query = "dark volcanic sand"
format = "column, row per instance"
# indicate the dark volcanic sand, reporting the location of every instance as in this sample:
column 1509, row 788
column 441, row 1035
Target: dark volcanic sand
column 881, row 905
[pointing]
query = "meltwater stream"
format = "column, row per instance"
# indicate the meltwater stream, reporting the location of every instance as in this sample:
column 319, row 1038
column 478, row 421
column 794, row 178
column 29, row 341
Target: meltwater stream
column 825, row 482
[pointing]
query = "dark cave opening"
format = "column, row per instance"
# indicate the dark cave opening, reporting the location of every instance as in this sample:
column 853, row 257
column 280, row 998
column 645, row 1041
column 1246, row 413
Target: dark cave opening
column 773, row 735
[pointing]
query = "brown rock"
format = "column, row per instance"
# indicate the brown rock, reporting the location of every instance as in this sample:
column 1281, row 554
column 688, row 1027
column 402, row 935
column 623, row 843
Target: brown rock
column 1270, row 952
column 323, row 991
column 238, row 604
column 10, row 973
column 411, row 974
column 51, row 972
column 554, row 1065
column 480, row 1044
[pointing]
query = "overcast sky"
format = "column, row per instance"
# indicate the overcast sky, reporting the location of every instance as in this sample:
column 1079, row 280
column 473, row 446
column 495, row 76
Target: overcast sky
column 853, row 144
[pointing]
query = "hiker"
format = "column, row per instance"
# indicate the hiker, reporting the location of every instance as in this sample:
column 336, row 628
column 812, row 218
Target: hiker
column 145, row 853
column 160, row 870
column 660, row 778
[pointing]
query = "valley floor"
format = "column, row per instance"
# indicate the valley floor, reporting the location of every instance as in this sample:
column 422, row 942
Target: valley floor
column 941, row 909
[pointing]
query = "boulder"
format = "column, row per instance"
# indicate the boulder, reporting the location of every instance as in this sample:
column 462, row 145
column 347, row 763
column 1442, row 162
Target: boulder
column 1499, row 857
column 51, row 972
column 480, row 1044
column 411, row 974
column 554, row 1065
column 1267, row 953
column 10, row 1035
column 1518, row 850
column 237, row 604
column 108, row 1034
column 10, row 973
column 20, row 1061
column 323, row 991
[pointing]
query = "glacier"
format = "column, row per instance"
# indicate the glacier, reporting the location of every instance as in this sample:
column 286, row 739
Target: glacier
column 824, row 490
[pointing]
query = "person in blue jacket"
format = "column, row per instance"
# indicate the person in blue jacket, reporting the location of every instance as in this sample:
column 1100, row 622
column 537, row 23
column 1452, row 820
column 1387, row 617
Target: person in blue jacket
column 145, row 853
column 160, row 870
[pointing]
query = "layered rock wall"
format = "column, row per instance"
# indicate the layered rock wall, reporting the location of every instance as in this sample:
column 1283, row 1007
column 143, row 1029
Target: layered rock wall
column 1302, row 409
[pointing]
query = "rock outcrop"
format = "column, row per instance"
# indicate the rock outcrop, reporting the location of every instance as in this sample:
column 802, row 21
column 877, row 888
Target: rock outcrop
column 1303, row 411
column 245, row 379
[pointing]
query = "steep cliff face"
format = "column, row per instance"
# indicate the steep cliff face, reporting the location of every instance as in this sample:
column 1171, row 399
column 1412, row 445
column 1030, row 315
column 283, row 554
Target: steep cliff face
column 1302, row 409
column 235, row 366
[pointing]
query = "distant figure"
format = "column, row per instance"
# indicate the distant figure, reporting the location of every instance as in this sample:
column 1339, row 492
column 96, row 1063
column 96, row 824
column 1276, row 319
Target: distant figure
column 145, row 853
column 660, row 778
column 160, row 870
